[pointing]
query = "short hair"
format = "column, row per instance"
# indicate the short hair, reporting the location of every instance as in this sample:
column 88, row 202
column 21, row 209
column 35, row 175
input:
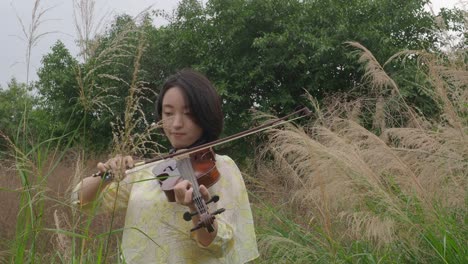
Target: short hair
column 202, row 99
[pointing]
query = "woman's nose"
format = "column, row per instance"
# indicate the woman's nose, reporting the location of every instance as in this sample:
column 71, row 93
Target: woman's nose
column 178, row 121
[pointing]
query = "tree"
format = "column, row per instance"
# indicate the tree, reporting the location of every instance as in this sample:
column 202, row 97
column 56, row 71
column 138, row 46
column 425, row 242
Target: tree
column 262, row 54
column 58, row 88
column 14, row 102
column 265, row 53
column 20, row 114
column 92, row 95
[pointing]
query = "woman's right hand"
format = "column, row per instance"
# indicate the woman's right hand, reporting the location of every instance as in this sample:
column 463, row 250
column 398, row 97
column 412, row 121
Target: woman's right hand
column 116, row 166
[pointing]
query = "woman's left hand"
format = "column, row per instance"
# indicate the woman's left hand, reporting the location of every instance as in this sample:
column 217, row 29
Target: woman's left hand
column 184, row 194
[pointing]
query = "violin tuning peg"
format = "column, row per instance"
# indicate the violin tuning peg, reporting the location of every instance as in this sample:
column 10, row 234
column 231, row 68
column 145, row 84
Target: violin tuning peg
column 220, row 210
column 213, row 199
column 188, row 216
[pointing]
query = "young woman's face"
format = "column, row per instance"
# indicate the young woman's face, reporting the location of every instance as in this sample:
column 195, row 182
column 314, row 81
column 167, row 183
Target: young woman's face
column 178, row 121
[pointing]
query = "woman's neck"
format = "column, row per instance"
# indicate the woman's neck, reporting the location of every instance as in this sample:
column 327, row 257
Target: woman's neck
column 198, row 142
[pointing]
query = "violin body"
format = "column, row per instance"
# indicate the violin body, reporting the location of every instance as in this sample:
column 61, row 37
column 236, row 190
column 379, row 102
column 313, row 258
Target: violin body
column 203, row 164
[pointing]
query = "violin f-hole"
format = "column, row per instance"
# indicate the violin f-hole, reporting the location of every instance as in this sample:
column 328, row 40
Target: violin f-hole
column 170, row 168
column 162, row 177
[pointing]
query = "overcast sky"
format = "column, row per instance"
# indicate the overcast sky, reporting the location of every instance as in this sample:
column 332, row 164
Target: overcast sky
column 60, row 19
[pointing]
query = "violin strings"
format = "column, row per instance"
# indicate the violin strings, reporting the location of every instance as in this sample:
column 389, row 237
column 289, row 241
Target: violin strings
column 185, row 168
column 186, row 172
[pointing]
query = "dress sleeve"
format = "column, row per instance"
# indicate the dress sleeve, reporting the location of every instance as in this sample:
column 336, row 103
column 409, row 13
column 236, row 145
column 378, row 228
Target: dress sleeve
column 235, row 240
column 113, row 197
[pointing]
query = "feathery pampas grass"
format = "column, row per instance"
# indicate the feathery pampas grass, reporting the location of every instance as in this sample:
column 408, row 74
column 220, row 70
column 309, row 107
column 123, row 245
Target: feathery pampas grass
column 391, row 197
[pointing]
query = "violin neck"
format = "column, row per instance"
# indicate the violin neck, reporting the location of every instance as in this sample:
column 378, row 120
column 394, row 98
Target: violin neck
column 206, row 218
column 187, row 173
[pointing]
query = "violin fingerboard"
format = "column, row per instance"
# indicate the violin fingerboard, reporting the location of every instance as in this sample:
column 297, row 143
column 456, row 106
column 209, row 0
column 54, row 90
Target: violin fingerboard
column 186, row 172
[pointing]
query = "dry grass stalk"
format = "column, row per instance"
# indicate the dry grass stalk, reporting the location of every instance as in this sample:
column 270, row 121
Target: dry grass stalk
column 63, row 243
column 340, row 170
column 327, row 171
column 357, row 186
column 337, row 171
column 78, row 170
column 379, row 116
column 20, row 160
column 86, row 26
column 92, row 96
column 441, row 90
column 129, row 140
column 127, row 43
column 438, row 158
column 297, row 253
column 355, row 112
column 379, row 80
column 31, row 34
column 449, row 85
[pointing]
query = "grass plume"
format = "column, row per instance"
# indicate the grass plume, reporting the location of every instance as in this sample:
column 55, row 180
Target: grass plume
column 397, row 197
column 31, row 34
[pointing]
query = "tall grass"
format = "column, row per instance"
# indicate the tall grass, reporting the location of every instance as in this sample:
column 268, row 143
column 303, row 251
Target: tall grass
column 343, row 194
column 33, row 164
column 333, row 190
column 47, row 219
column 128, row 137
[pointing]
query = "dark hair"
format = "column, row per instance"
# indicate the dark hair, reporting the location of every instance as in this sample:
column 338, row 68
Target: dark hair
column 202, row 99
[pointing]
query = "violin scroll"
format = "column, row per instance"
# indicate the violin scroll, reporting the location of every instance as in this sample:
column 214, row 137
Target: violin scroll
column 207, row 220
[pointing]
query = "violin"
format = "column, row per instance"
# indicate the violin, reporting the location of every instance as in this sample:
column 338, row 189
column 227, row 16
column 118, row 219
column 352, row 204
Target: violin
column 198, row 166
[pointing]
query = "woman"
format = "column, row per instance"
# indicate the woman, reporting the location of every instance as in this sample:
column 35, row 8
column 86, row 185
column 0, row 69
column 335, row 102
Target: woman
column 190, row 110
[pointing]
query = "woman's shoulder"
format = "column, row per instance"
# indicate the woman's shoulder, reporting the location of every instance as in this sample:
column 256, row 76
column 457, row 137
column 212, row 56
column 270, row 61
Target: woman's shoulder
column 224, row 159
column 226, row 165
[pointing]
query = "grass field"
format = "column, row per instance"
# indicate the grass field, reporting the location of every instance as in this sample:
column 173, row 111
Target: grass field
column 364, row 180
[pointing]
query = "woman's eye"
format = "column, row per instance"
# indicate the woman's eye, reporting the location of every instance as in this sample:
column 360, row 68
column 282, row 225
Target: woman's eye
column 167, row 113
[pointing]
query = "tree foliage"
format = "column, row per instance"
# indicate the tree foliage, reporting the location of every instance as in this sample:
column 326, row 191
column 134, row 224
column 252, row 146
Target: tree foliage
column 262, row 54
column 15, row 101
column 58, row 87
column 20, row 116
column 267, row 53
column 91, row 95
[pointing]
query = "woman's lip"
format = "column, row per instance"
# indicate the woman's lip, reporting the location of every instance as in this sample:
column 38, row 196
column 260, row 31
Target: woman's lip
column 178, row 134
